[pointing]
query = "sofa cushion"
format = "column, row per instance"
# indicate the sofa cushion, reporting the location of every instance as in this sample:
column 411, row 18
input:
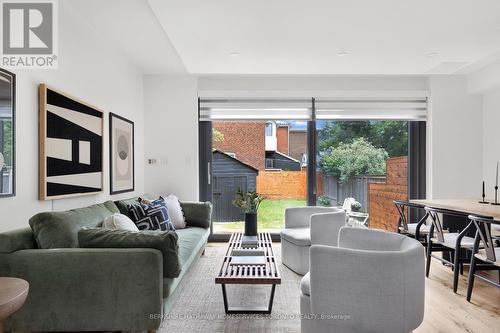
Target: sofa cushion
column 151, row 215
column 305, row 285
column 297, row 236
column 191, row 241
column 164, row 241
column 60, row 229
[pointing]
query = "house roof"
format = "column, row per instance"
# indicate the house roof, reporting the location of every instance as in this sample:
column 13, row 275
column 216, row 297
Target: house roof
column 237, row 160
column 286, row 156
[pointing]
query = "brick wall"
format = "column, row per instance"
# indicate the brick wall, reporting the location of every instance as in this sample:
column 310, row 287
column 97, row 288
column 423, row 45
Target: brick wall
column 282, row 184
column 245, row 139
column 383, row 213
column 282, row 139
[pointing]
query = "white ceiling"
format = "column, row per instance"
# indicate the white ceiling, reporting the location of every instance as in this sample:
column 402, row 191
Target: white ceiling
column 134, row 30
column 305, row 37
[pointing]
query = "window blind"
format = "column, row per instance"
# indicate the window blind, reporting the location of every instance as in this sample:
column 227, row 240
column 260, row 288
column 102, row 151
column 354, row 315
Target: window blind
column 255, row 109
column 330, row 108
column 370, row 108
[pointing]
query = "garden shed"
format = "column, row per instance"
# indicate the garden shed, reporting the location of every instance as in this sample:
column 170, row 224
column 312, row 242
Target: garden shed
column 230, row 174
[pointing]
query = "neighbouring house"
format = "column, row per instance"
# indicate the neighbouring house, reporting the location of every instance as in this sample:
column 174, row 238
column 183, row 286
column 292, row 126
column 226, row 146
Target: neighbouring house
column 298, row 144
column 230, row 174
column 264, row 146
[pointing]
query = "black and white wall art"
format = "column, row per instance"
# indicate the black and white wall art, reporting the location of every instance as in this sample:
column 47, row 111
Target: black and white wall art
column 71, row 146
column 121, row 154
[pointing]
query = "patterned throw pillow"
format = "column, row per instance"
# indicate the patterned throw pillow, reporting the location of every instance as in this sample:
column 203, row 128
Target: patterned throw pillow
column 150, row 215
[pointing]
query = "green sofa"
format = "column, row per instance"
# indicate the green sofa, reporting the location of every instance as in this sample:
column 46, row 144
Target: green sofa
column 95, row 289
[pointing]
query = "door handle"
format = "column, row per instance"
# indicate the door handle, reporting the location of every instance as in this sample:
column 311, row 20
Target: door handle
column 209, row 174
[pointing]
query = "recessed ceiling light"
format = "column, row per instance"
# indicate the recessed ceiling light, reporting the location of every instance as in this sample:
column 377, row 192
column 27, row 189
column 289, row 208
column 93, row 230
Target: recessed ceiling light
column 343, row 53
column 234, row 54
column 432, row 54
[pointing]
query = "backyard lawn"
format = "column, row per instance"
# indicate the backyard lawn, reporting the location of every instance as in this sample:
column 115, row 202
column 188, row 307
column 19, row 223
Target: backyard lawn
column 271, row 216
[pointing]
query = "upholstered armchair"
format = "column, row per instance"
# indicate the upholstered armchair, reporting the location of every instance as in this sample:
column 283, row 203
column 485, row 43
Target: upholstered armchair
column 305, row 226
column 374, row 281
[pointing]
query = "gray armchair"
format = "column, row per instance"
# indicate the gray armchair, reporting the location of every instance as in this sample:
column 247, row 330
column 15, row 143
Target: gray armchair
column 305, row 226
column 374, row 281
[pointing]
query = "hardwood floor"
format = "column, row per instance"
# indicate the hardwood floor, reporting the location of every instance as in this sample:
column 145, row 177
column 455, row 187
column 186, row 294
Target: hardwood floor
column 446, row 311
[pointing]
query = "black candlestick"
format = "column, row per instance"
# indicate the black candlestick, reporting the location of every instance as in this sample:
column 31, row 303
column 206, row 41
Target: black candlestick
column 483, row 196
column 496, row 196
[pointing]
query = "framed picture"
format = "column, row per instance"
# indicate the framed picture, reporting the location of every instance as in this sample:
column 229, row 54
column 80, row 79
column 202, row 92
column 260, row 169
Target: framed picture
column 121, row 154
column 7, row 133
column 70, row 146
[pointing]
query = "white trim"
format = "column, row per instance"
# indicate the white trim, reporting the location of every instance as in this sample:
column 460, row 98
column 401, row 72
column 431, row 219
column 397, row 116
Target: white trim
column 312, row 93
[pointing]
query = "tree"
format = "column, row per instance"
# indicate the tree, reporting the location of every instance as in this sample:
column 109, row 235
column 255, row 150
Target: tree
column 351, row 159
column 217, row 135
column 390, row 135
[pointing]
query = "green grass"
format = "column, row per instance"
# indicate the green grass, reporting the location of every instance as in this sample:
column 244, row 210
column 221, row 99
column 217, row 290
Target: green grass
column 271, row 216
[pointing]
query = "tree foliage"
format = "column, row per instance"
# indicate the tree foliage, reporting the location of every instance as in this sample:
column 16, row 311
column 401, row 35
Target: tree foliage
column 347, row 160
column 6, row 150
column 217, row 135
column 390, row 135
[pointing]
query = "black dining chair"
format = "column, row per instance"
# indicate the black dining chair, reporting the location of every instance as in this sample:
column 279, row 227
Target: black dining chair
column 452, row 242
column 485, row 259
column 418, row 230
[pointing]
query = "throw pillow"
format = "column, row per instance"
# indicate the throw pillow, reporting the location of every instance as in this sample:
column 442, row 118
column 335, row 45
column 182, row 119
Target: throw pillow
column 119, row 222
column 164, row 241
column 175, row 211
column 151, row 216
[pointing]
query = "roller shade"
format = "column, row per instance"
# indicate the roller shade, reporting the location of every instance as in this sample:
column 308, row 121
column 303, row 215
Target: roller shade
column 325, row 108
column 255, row 109
column 370, row 108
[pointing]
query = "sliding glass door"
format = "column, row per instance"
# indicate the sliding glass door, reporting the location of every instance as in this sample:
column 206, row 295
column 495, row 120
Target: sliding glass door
column 307, row 152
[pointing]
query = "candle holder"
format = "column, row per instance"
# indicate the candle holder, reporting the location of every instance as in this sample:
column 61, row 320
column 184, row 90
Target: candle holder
column 496, row 197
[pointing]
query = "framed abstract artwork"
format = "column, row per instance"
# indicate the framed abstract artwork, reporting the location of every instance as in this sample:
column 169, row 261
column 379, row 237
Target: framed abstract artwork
column 7, row 133
column 70, row 146
column 121, row 154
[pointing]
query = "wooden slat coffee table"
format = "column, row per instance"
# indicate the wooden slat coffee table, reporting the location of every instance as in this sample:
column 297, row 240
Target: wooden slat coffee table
column 267, row 273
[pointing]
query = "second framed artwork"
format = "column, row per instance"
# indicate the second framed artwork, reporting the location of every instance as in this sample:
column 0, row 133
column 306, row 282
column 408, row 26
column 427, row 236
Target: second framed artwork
column 121, row 154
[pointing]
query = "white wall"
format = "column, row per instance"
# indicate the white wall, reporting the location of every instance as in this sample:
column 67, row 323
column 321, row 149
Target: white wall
column 171, row 135
column 491, row 137
column 90, row 69
column 454, row 139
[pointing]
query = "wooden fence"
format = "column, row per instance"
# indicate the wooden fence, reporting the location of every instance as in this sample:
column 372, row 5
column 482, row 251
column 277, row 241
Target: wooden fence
column 356, row 187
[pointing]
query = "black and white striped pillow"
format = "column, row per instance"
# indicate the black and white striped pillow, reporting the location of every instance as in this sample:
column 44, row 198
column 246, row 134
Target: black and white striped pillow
column 151, row 215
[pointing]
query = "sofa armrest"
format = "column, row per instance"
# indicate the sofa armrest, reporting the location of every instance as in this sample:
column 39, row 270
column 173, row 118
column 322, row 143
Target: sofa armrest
column 325, row 227
column 15, row 240
column 198, row 214
column 87, row 289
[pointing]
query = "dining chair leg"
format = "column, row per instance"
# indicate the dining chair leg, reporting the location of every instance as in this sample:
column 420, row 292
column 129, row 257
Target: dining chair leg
column 428, row 261
column 456, row 270
column 470, row 281
column 461, row 268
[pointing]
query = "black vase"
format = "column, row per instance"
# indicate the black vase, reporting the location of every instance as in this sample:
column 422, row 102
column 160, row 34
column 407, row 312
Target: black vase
column 250, row 224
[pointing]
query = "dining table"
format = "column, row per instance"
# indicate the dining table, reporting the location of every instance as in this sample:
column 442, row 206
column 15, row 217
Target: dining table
column 466, row 206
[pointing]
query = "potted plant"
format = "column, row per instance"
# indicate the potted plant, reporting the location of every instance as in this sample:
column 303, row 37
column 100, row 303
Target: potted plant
column 249, row 202
column 355, row 206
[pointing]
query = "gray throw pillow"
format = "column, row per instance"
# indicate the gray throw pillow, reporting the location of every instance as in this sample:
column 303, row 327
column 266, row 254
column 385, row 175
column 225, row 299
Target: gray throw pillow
column 164, row 241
